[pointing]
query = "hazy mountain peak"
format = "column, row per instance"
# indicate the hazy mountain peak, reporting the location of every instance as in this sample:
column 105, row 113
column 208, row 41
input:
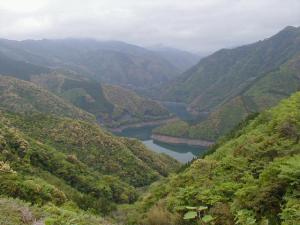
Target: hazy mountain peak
column 182, row 59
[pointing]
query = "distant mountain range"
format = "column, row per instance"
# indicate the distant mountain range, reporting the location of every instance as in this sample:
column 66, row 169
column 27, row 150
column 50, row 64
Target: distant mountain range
column 182, row 60
column 107, row 61
column 81, row 91
column 233, row 83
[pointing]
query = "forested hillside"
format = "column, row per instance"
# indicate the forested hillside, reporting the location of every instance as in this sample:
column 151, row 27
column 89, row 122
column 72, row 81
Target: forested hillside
column 25, row 97
column 234, row 83
column 87, row 94
column 20, row 69
column 128, row 107
column 55, row 156
column 40, row 116
column 42, row 175
column 113, row 106
column 67, row 165
column 140, row 112
column 251, row 176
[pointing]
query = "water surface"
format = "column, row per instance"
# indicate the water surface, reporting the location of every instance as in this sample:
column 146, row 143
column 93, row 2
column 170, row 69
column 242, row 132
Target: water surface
column 183, row 153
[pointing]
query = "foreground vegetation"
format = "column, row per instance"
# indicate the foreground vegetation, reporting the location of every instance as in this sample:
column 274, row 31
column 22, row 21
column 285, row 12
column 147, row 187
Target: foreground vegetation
column 250, row 177
column 16, row 212
column 66, row 166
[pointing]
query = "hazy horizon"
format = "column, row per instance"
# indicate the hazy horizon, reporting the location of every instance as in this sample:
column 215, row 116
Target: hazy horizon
column 197, row 26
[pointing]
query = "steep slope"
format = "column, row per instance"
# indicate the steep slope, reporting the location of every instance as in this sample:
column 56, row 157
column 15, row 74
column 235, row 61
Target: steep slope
column 227, row 72
column 80, row 91
column 232, row 84
column 19, row 69
column 38, row 173
column 25, row 97
column 113, row 106
column 131, row 108
column 251, row 177
column 83, row 92
column 111, row 62
column 182, row 60
column 108, row 154
column 66, row 166
column 266, row 92
column 111, row 155
column 127, row 159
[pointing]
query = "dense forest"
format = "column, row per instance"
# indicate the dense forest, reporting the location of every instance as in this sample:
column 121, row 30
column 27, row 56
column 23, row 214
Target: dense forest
column 231, row 84
column 61, row 165
column 58, row 162
column 251, row 176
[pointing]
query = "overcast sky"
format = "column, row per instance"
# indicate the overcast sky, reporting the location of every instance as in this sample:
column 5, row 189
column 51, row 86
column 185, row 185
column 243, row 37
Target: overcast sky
column 195, row 25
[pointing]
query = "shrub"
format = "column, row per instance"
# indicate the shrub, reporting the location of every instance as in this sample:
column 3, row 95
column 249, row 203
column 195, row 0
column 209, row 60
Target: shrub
column 158, row 215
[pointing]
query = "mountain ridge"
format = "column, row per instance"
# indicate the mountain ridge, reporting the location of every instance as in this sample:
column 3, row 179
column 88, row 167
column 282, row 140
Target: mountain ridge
column 251, row 176
column 82, row 92
column 239, row 82
column 113, row 62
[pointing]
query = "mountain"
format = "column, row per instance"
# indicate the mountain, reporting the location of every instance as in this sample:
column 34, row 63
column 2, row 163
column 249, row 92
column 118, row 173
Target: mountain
column 38, row 173
column 24, row 97
column 20, row 69
column 81, row 92
column 61, row 168
column 252, row 176
column 233, row 83
column 111, row 62
column 182, row 60
column 56, row 159
column 113, row 106
column 40, row 110
column 127, row 159
column 131, row 108
column 223, row 74
column 86, row 93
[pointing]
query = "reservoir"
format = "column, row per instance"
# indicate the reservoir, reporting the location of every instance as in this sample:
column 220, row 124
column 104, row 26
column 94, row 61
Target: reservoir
column 183, row 153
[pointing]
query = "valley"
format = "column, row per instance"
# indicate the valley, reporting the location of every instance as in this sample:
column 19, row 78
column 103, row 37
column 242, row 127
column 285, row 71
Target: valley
column 110, row 133
column 232, row 84
column 184, row 150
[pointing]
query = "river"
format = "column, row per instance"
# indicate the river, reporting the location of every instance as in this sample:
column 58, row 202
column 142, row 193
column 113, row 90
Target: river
column 182, row 153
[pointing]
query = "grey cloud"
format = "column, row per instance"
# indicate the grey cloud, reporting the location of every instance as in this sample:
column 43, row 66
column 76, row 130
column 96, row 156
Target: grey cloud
column 197, row 25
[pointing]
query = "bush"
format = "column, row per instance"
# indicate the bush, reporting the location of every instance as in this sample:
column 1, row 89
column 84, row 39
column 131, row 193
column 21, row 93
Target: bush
column 31, row 189
column 158, row 215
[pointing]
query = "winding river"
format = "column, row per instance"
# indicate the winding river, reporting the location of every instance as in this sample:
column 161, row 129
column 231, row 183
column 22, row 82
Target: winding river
column 183, row 153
